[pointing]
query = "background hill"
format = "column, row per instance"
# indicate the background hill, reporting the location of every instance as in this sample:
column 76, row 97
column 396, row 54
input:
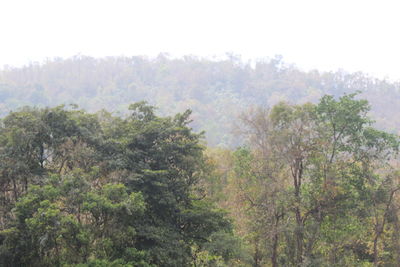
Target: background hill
column 216, row 90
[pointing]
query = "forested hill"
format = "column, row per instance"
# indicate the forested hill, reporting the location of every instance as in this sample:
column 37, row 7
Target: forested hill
column 216, row 91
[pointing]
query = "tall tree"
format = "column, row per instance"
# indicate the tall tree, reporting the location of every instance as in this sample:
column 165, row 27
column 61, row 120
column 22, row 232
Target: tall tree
column 332, row 157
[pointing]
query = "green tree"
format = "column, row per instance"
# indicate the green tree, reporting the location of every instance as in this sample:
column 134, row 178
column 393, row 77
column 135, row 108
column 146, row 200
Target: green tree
column 334, row 160
column 93, row 189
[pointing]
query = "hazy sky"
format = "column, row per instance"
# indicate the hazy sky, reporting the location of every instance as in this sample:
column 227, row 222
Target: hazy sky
column 327, row 35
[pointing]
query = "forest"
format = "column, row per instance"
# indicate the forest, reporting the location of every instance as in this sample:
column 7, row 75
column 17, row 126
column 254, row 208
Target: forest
column 190, row 162
column 217, row 91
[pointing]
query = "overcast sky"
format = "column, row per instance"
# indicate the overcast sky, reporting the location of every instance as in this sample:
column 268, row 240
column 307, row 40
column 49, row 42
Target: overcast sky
column 327, row 35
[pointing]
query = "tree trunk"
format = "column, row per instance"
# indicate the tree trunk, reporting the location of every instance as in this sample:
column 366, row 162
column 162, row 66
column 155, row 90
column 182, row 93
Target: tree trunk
column 297, row 177
column 376, row 250
column 15, row 190
column 257, row 255
column 299, row 243
column 274, row 256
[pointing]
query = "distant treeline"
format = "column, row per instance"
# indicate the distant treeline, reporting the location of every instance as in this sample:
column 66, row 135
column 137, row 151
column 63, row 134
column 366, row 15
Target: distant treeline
column 216, row 91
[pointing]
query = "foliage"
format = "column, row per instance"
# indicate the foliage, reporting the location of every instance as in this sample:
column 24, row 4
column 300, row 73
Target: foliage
column 316, row 186
column 81, row 189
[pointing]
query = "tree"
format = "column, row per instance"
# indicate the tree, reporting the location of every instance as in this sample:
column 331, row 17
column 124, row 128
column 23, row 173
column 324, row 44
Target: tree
column 332, row 158
column 93, row 189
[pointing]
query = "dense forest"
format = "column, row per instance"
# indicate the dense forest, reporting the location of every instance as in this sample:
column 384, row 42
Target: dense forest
column 217, row 91
column 82, row 189
column 314, row 185
column 293, row 168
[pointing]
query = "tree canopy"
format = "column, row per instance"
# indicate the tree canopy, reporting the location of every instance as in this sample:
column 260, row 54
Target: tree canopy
column 81, row 189
column 313, row 185
column 316, row 185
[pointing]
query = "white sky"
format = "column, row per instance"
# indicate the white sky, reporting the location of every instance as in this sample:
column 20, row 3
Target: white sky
column 349, row 34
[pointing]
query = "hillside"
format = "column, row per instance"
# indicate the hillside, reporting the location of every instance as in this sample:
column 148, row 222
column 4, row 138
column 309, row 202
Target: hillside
column 216, row 90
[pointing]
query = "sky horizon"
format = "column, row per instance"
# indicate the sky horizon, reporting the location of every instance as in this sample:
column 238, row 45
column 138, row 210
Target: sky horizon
column 323, row 35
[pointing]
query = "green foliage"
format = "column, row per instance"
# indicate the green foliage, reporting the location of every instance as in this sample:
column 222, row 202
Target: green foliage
column 315, row 185
column 318, row 184
column 97, row 190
